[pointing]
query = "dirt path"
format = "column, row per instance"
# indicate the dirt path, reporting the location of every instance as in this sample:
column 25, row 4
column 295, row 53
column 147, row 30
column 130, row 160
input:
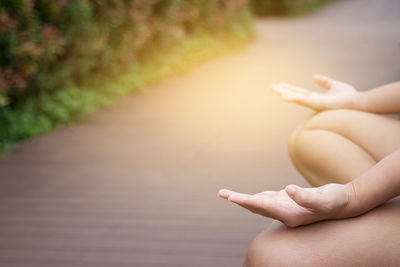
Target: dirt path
column 136, row 184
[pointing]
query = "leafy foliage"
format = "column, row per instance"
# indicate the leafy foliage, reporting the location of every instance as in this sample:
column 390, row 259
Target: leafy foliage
column 60, row 60
column 282, row 7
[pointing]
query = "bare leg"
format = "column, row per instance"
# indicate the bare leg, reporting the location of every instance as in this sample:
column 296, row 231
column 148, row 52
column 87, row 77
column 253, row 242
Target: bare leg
column 336, row 146
column 368, row 240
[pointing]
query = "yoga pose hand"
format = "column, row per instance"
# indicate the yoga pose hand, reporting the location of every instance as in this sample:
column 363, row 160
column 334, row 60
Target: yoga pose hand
column 294, row 205
column 339, row 96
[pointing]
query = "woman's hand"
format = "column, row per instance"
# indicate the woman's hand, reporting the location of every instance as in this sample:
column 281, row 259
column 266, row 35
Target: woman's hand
column 340, row 95
column 294, row 205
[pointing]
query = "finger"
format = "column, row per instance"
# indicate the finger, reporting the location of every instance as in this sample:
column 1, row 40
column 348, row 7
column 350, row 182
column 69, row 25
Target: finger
column 277, row 89
column 257, row 204
column 324, row 81
column 247, row 200
column 225, row 193
column 298, row 98
column 307, row 101
column 303, row 197
column 284, row 92
column 250, row 208
column 240, row 198
column 266, row 194
column 296, row 89
column 294, row 94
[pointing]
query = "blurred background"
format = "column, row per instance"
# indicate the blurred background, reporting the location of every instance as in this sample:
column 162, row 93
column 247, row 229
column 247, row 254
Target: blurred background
column 121, row 119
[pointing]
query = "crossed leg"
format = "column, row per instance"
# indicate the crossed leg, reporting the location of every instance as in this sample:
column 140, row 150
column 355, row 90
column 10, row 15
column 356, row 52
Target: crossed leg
column 368, row 240
column 336, row 146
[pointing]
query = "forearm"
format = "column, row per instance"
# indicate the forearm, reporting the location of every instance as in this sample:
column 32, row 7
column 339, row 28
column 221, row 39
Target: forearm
column 382, row 100
column 376, row 186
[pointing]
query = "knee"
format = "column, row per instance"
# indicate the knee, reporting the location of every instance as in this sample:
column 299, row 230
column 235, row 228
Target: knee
column 297, row 143
column 319, row 121
column 328, row 118
column 268, row 249
column 258, row 253
column 294, row 144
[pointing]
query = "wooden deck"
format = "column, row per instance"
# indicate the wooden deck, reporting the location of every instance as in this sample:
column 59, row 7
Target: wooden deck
column 136, row 184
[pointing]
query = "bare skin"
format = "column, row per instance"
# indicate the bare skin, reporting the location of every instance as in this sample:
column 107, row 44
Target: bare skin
column 322, row 147
column 344, row 148
column 340, row 95
column 367, row 240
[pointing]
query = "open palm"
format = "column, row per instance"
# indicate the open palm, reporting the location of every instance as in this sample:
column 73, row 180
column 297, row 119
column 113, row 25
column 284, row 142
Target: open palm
column 294, row 205
column 339, row 95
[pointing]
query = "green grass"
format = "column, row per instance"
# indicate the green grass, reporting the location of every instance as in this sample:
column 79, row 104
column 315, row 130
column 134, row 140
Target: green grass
column 44, row 113
column 285, row 7
column 309, row 8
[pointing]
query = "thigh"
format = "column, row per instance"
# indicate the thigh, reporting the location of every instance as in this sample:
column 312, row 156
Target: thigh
column 372, row 239
column 376, row 134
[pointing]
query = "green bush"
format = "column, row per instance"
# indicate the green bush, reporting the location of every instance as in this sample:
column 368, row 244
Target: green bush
column 46, row 44
column 283, row 7
column 60, row 60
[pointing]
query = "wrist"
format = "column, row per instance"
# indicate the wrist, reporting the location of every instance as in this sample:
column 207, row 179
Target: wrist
column 344, row 205
column 356, row 102
column 349, row 210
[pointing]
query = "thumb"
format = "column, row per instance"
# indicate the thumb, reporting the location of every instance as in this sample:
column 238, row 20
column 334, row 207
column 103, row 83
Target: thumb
column 324, row 81
column 303, row 197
